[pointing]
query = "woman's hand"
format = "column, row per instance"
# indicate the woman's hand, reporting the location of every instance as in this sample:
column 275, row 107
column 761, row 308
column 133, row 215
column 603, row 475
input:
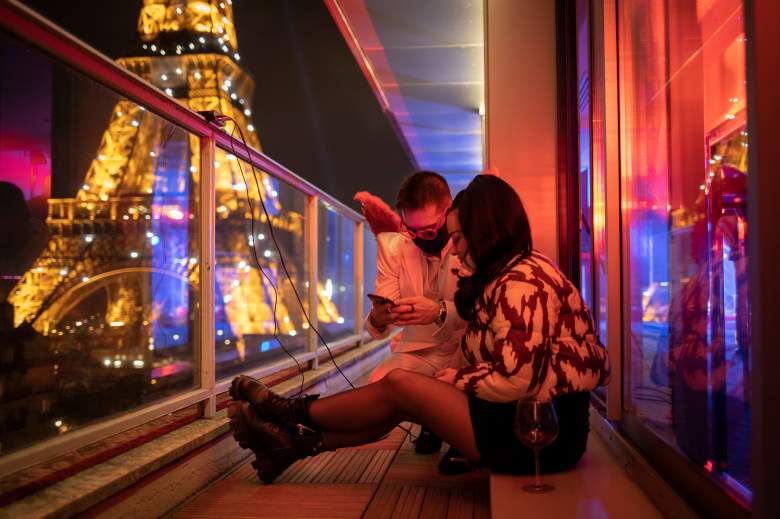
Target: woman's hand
column 446, row 375
column 415, row 310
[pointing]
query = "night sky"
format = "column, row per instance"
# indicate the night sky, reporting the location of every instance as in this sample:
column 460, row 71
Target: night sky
column 313, row 109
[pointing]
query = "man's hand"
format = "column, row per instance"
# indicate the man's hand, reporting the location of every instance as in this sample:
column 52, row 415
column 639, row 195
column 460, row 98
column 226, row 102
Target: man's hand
column 382, row 315
column 415, row 310
column 446, row 375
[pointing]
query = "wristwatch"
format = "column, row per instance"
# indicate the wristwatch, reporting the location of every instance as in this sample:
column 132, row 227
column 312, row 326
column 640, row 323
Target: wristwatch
column 442, row 313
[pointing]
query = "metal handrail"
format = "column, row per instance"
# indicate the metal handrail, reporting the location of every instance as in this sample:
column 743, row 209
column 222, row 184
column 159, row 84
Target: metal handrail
column 41, row 33
column 265, row 163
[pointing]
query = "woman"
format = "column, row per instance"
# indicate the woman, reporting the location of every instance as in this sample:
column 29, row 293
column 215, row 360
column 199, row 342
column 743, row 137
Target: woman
column 529, row 335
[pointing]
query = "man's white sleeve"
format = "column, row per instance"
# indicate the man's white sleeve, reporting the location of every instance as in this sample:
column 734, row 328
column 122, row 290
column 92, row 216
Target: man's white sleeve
column 388, row 270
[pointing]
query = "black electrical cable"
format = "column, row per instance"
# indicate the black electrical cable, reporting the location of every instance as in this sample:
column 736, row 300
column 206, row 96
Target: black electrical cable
column 257, row 259
column 281, row 256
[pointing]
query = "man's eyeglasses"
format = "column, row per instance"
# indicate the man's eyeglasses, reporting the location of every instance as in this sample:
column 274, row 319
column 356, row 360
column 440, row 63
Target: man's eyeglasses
column 428, row 232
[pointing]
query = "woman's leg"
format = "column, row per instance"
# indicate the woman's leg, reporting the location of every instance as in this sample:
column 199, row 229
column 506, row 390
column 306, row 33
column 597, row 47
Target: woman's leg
column 338, row 439
column 399, row 395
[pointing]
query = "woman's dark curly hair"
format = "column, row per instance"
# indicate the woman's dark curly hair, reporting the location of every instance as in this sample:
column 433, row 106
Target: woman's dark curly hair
column 496, row 229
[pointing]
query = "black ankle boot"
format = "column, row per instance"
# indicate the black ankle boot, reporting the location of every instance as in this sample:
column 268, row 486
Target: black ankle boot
column 454, row 463
column 275, row 447
column 268, row 404
column 427, row 442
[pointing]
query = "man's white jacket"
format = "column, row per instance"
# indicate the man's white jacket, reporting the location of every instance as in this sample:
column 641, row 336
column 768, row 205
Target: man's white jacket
column 401, row 271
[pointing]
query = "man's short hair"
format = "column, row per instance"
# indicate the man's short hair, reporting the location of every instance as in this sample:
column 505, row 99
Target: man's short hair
column 422, row 188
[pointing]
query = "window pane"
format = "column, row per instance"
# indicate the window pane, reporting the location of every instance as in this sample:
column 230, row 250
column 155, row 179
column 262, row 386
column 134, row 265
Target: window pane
column 251, row 286
column 98, row 251
column 336, row 268
column 684, row 152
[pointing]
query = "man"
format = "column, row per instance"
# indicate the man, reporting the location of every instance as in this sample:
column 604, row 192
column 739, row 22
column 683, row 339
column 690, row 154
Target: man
column 417, row 271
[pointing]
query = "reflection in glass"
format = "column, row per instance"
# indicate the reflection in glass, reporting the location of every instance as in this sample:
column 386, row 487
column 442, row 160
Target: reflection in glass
column 684, row 151
column 336, row 293
column 99, row 267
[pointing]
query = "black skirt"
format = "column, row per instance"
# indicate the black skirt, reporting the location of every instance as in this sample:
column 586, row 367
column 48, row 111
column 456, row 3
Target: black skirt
column 501, row 451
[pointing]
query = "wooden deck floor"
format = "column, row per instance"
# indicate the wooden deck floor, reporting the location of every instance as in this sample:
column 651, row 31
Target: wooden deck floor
column 381, row 480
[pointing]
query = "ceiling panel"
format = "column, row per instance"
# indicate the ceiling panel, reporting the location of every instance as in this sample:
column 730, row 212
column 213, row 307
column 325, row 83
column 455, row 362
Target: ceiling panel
column 402, row 23
column 435, row 64
column 425, row 60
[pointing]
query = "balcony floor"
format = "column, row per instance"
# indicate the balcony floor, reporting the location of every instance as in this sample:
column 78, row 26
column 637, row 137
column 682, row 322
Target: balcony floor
column 382, row 479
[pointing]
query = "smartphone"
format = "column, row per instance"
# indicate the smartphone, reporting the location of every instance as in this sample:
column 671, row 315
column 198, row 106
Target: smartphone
column 380, row 300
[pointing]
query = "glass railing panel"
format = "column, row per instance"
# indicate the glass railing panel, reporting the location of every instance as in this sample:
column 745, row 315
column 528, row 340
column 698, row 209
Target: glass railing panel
column 251, row 286
column 99, row 257
column 336, row 271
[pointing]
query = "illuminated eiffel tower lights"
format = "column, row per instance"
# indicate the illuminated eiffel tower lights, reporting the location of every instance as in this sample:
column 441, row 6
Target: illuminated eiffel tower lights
column 137, row 198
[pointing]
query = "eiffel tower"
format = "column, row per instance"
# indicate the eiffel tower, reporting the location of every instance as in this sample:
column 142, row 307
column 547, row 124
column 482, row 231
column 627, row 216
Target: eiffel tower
column 120, row 272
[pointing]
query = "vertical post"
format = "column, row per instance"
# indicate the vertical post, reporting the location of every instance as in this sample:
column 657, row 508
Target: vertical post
column 605, row 49
column 312, row 259
column 359, row 280
column 763, row 77
column 206, row 222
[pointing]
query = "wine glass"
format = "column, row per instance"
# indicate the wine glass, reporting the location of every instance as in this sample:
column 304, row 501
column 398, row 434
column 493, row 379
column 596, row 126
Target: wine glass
column 536, row 426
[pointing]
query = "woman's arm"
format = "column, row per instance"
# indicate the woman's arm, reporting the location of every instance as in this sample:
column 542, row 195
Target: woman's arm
column 521, row 310
column 539, row 345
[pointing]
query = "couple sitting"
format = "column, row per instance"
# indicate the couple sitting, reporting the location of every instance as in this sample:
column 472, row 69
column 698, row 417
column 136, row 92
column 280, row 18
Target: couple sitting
column 528, row 334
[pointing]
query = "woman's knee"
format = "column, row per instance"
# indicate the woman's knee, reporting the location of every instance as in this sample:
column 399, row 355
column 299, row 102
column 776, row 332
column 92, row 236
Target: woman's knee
column 376, row 375
column 383, row 368
column 395, row 376
column 398, row 380
column 399, row 388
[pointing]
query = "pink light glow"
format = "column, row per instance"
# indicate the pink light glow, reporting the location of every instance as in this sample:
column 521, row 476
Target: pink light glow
column 172, row 212
column 169, row 369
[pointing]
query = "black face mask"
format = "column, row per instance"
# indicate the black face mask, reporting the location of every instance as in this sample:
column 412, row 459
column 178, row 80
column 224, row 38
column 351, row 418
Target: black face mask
column 434, row 246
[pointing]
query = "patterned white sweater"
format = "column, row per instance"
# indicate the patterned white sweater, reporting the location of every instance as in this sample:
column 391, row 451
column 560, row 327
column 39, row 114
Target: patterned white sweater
column 532, row 336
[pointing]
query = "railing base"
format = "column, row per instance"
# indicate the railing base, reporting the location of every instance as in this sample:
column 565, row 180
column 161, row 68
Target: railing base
column 156, row 477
